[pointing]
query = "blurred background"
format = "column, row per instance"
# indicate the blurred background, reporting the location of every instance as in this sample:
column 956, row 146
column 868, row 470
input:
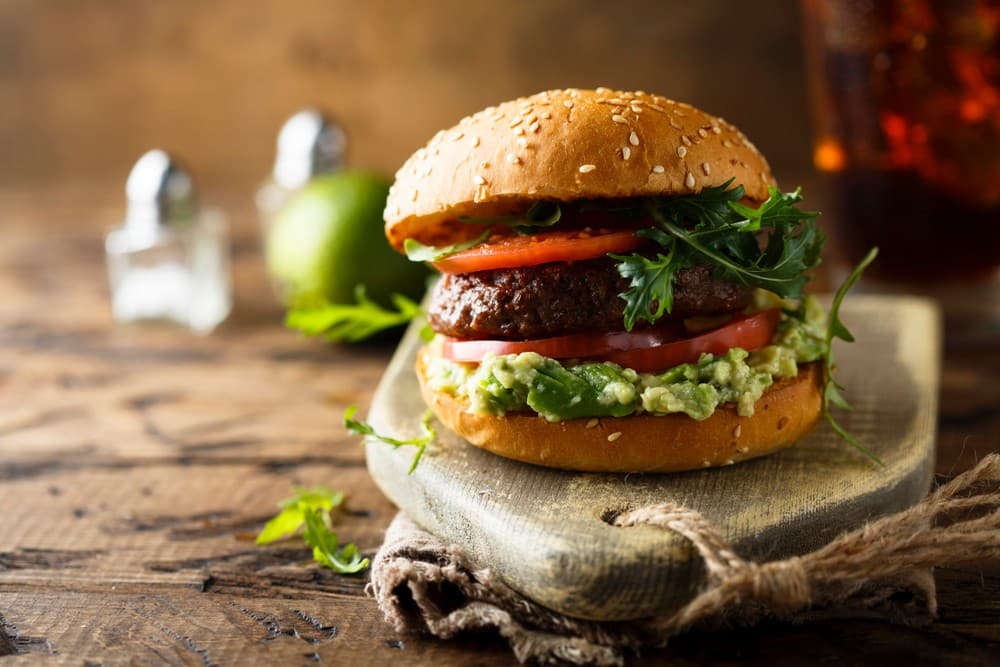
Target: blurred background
column 88, row 86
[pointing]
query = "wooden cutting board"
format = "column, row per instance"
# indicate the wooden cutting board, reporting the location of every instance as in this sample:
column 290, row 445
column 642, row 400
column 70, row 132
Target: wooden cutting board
column 543, row 532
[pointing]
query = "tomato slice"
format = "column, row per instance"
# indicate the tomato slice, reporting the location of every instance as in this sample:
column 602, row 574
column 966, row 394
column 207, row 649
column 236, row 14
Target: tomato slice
column 563, row 246
column 646, row 351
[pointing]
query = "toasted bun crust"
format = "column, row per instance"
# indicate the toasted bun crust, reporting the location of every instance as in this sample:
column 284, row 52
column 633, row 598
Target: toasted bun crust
column 566, row 145
column 786, row 412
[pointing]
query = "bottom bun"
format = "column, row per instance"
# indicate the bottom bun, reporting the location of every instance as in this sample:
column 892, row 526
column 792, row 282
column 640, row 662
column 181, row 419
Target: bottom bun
column 786, row 412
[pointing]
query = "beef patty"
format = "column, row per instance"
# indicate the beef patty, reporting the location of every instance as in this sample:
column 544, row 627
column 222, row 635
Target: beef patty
column 562, row 298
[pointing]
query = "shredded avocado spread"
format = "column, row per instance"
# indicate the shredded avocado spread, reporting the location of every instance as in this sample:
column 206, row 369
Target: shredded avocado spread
column 557, row 391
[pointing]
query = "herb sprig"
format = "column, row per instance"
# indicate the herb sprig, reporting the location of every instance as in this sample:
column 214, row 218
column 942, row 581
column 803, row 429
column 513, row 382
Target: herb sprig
column 420, row 442
column 310, row 509
column 351, row 323
column 713, row 227
column 836, row 329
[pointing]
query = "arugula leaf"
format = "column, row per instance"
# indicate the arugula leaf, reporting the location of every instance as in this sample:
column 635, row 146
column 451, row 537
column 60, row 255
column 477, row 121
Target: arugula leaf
column 837, row 329
column 290, row 519
column 310, row 508
column 418, row 252
column 650, row 292
column 713, row 227
column 540, row 214
column 363, row 428
column 711, row 206
column 326, row 546
column 351, row 322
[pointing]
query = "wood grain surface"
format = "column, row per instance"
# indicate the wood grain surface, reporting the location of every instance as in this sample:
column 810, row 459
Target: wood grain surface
column 136, row 464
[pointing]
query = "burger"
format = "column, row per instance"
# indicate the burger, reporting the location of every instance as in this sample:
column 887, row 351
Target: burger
column 621, row 285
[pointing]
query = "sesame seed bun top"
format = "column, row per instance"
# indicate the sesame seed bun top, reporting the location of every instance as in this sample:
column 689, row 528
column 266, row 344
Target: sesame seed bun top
column 565, row 145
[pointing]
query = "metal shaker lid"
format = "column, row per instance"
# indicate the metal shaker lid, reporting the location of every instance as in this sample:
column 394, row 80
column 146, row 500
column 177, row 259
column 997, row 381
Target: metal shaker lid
column 160, row 193
column 309, row 144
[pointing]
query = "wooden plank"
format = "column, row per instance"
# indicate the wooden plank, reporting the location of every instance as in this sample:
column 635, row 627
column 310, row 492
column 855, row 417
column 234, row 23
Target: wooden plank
column 500, row 510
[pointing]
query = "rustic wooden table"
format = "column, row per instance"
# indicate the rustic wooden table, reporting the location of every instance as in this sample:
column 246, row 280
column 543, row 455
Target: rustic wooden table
column 136, row 466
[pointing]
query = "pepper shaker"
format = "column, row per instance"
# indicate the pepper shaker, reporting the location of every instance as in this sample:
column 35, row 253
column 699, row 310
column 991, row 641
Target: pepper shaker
column 169, row 260
column 309, row 144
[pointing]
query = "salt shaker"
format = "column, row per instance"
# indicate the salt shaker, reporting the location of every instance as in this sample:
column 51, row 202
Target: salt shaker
column 169, row 260
column 309, row 144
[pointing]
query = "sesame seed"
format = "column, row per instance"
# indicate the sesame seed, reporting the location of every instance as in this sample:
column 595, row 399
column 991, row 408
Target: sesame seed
column 633, row 139
column 616, row 100
column 727, row 143
column 744, row 450
column 636, row 108
column 587, row 168
column 515, row 122
column 681, row 151
column 484, row 165
column 568, row 104
column 689, row 180
column 706, row 464
column 674, row 124
column 729, row 462
column 763, row 177
column 658, row 169
column 547, row 115
column 513, row 159
column 614, row 436
column 602, row 90
column 522, row 142
column 519, row 131
column 413, row 197
column 679, row 113
column 479, row 180
column 618, row 118
column 782, row 423
column 656, row 106
column 475, row 142
column 706, row 168
column 591, row 423
column 534, row 127
column 738, row 430
column 427, row 170
column 685, row 140
column 626, row 152
column 702, row 133
column 716, row 129
column 456, row 137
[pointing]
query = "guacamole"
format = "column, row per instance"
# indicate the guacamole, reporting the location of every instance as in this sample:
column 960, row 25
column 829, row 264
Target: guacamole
column 557, row 390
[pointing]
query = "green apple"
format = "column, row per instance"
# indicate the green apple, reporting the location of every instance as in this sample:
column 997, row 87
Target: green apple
column 329, row 237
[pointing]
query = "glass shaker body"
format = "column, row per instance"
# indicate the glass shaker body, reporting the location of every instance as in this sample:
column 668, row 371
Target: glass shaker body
column 178, row 274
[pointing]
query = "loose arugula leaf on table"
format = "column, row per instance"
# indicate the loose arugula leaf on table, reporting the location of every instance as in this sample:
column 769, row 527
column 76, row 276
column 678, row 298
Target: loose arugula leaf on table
column 293, row 509
column 418, row 252
column 836, row 329
column 363, row 428
column 310, row 509
column 351, row 323
column 326, row 547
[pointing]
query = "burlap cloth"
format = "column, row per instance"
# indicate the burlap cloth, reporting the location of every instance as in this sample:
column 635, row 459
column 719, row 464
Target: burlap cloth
column 422, row 584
